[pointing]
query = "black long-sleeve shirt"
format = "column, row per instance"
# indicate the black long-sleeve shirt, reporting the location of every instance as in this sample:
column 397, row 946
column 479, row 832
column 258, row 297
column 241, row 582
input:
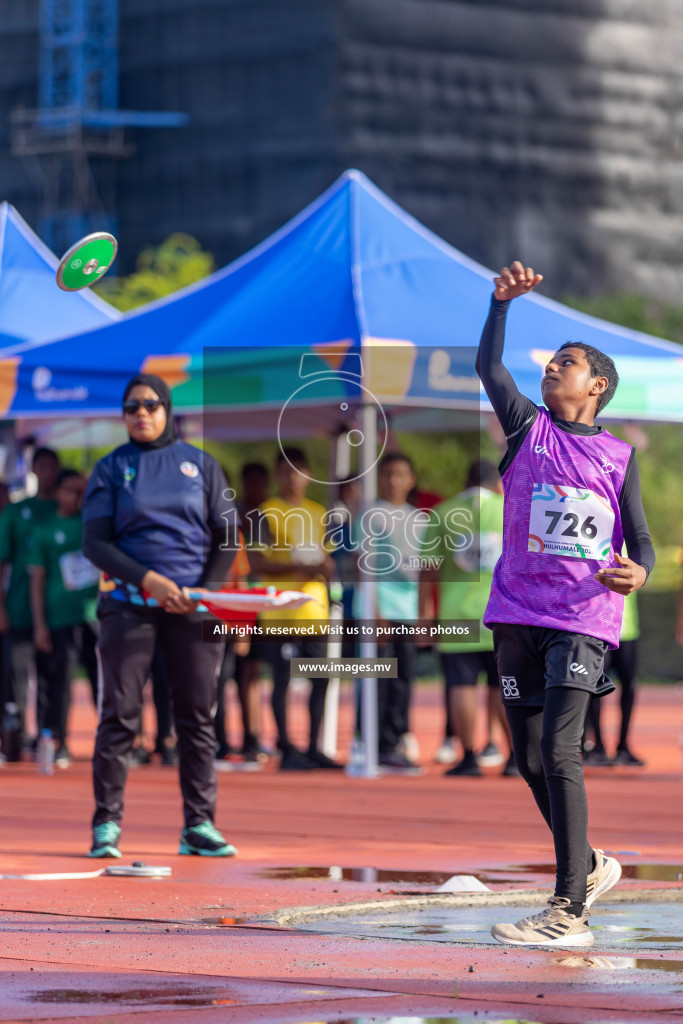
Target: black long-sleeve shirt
column 517, row 414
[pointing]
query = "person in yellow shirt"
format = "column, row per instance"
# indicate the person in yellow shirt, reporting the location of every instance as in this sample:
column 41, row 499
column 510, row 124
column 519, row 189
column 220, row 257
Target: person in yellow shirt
column 237, row 578
column 294, row 556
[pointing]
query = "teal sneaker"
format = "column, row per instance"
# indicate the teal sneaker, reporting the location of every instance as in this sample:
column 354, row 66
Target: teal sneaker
column 206, row 841
column 105, row 840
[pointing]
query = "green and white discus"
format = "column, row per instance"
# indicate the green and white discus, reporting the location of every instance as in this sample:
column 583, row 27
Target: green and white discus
column 87, row 261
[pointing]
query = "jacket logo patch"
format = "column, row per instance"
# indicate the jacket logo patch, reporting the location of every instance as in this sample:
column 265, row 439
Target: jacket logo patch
column 128, row 473
column 189, row 469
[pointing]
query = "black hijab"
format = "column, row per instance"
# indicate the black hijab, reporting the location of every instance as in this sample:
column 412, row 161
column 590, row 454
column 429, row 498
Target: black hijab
column 160, row 388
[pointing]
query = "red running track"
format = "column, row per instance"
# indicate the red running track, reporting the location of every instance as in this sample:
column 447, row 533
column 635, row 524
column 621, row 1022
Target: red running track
column 130, row 949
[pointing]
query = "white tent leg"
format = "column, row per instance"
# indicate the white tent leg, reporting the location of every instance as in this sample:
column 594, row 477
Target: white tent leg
column 331, row 719
column 342, row 456
column 368, row 647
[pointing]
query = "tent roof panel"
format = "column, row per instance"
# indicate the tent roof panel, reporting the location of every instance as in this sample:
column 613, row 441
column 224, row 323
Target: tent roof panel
column 352, row 267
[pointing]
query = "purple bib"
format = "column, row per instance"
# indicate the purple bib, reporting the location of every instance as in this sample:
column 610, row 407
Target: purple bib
column 561, row 523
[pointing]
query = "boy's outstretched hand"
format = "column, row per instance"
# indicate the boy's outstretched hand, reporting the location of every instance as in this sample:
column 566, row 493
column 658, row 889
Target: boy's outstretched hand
column 623, row 580
column 515, row 280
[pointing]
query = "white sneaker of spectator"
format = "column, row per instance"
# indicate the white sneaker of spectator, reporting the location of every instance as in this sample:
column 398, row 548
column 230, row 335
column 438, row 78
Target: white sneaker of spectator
column 446, row 753
column 409, row 746
column 490, row 757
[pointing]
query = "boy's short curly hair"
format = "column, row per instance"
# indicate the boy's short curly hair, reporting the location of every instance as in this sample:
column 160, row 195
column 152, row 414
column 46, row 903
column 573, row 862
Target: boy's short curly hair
column 600, row 366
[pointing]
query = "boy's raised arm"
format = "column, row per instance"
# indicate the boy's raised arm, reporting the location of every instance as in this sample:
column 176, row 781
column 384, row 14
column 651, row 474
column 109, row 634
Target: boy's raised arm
column 512, row 409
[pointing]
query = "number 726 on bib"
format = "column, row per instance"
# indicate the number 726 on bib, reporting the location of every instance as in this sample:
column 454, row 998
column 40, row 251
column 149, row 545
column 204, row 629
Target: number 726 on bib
column 570, row 522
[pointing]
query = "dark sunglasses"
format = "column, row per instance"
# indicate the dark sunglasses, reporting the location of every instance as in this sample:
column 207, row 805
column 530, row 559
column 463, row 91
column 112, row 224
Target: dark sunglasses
column 150, row 404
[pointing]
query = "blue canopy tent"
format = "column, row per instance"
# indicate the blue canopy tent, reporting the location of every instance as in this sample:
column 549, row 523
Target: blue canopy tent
column 352, row 275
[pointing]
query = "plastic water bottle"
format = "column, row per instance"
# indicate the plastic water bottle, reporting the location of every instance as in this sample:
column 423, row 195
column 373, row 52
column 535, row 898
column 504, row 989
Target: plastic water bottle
column 46, row 753
column 11, row 732
column 336, row 592
column 356, row 763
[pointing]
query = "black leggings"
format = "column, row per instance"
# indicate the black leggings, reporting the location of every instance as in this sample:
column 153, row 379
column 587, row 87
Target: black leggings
column 547, row 745
column 312, row 649
column 70, row 645
column 624, row 660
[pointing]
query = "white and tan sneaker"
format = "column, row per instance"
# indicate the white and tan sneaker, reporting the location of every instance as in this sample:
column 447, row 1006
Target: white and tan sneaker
column 409, row 746
column 554, row 926
column 603, row 878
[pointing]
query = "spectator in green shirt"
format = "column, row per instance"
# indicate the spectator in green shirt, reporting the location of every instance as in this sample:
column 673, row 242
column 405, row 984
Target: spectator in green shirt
column 17, row 524
column 464, row 581
column 623, row 661
column 63, row 601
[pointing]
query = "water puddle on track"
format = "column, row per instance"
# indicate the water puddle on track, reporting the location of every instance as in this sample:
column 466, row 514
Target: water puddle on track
column 482, row 1017
column 622, row 963
column 131, row 997
column 640, row 926
column 641, row 872
column 512, row 874
column 341, row 874
column 223, row 922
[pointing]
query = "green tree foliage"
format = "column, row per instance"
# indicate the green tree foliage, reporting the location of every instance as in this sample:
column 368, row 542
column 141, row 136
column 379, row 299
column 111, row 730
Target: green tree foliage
column 176, row 263
column 635, row 311
column 442, row 460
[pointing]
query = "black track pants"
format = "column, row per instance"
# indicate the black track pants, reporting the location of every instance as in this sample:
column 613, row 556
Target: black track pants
column 126, row 646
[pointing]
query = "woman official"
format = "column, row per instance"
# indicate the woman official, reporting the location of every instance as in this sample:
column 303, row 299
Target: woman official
column 154, row 524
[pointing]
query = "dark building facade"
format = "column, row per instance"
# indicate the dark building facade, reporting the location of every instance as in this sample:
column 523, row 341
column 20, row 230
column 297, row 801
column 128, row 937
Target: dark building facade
column 548, row 131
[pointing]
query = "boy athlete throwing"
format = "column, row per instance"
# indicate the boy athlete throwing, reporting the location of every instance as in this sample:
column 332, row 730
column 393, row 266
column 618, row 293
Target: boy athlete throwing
column 572, row 495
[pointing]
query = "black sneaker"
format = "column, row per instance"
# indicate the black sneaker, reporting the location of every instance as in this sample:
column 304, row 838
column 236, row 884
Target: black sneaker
column 597, row 758
column 169, row 755
column 395, row 761
column 321, row 760
column 624, row 756
column 139, row 756
column 62, row 756
column 468, row 766
column 205, row 840
column 253, row 751
column 294, row 760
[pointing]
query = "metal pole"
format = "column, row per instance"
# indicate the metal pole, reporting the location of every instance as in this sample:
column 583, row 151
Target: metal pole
column 368, row 646
column 331, row 719
column 338, row 469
